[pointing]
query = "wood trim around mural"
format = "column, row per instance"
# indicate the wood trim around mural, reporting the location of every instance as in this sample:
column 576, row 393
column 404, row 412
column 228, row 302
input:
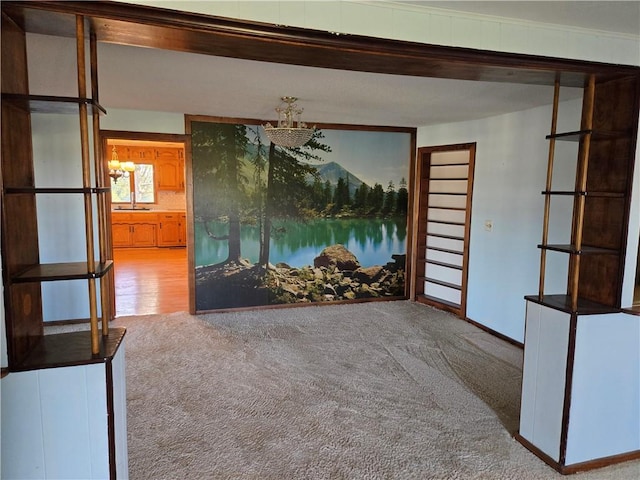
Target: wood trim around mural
column 189, row 119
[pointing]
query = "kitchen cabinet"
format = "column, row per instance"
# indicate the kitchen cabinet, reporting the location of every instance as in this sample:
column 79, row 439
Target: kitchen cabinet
column 134, row 229
column 121, row 235
column 169, row 163
column 140, row 154
column 183, row 228
column 171, row 230
column 148, row 229
column 143, row 234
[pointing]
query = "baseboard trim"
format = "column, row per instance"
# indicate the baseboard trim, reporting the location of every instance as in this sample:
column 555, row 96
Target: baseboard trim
column 600, row 462
column 74, row 321
column 577, row 467
column 537, row 452
column 439, row 304
column 494, row 333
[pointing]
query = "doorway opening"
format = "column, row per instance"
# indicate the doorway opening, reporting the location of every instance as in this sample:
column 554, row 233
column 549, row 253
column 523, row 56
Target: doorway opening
column 445, row 185
column 148, row 222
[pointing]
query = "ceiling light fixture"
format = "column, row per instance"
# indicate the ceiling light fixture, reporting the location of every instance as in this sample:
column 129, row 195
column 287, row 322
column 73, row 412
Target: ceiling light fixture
column 117, row 168
column 291, row 131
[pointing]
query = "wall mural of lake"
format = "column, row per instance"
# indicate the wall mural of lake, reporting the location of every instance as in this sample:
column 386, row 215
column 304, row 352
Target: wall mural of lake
column 324, row 222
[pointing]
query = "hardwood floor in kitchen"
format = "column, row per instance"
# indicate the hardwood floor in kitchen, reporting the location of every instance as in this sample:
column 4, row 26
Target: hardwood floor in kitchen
column 150, row 281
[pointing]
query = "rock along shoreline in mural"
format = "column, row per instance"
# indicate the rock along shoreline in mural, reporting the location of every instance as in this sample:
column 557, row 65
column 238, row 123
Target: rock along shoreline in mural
column 335, row 276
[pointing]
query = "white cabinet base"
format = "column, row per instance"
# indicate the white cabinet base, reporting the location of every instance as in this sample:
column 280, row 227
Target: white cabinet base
column 581, row 388
column 68, row 419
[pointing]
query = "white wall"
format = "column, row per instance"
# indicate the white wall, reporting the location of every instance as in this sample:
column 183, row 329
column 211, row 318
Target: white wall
column 633, row 237
column 142, row 121
column 510, row 172
column 426, row 25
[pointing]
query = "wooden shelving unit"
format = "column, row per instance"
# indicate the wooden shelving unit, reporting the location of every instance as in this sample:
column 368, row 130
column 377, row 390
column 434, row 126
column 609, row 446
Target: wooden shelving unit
column 601, row 199
column 79, row 376
column 19, row 203
column 578, row 360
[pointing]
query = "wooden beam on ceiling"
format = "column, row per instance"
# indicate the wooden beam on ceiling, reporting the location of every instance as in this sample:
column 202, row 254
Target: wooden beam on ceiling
column 143, row 26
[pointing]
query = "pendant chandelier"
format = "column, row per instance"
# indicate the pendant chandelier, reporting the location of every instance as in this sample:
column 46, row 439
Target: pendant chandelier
column 291, row 131
column 117, row 168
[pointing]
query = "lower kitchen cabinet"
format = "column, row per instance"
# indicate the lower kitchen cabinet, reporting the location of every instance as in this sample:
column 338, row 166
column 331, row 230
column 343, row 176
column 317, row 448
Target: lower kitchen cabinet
column 121, row 234
column 143, row 235
column 134, row 234
column 171, row 230
column 146, row 229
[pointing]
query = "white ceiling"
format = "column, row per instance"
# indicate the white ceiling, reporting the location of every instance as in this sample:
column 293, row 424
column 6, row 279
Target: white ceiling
column 199, row 84
column 146, row 79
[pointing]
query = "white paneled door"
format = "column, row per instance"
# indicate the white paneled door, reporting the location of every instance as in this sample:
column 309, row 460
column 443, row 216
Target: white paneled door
column 445, row 176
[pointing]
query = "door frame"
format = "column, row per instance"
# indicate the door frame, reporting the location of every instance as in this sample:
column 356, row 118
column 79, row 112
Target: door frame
column 105, row 136
column 422, row 178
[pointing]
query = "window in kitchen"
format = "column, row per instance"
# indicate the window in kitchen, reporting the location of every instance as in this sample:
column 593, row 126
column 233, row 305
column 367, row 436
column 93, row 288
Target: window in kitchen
column 138, row 187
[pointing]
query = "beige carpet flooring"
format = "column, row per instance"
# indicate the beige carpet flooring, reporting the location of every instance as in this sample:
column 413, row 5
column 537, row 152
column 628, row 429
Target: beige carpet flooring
column 382, row 390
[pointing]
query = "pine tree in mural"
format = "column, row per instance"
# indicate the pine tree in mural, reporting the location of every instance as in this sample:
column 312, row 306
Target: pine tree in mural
column 218, row 183
column 389, row 204
column 376, row 199
column 402, row 198
column 287, row 185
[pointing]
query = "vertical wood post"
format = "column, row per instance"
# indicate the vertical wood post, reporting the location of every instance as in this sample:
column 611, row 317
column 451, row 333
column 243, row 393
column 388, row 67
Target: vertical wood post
column 547, row 197
column 86, row 181
column 581, row 186
column 100, row 182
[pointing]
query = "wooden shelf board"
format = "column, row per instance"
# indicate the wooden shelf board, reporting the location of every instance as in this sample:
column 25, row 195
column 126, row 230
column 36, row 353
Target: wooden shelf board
column 563, row 303
column 48, row 272
column 443, row 264
column 447, row 179
column 448, row 237
column 441, row 283
column 55, row 190
column 452, row 164
column 445, row 250
column 446, row 222
column 459, row 209
column 579, row 134
column 585, row 250
column 448, row 193
column 51, row 104
column 585, row 194
column 70, row 349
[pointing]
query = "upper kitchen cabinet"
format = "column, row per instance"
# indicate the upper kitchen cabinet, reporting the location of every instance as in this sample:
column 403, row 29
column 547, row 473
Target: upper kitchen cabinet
column 140, row 154
column 170, row 168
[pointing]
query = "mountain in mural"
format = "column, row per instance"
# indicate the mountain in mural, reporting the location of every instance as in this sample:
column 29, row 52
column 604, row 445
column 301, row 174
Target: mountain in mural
column 333, row 172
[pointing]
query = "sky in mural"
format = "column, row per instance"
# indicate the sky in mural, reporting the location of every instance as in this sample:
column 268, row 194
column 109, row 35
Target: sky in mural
column 369, row 155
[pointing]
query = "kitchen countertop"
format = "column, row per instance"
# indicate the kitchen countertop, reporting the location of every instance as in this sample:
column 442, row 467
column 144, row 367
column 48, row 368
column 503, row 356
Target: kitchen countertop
column 140, row 210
